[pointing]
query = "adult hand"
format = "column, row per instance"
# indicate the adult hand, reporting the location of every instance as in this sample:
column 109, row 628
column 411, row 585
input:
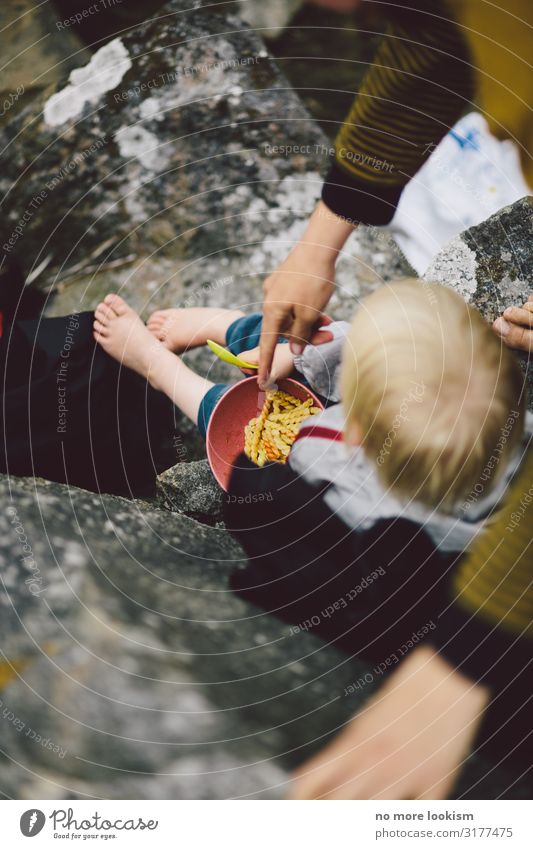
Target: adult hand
column 283, row 360
column 298, row 291
column 516, row 326
column 408, row 742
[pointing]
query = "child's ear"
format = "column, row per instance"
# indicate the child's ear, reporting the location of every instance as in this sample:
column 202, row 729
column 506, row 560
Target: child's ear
column 353, row 433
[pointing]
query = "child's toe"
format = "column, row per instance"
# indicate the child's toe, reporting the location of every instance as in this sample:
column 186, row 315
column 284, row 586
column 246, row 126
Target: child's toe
column 102, row 313
column 116, row 303
column 119, row 305
column 99, row 328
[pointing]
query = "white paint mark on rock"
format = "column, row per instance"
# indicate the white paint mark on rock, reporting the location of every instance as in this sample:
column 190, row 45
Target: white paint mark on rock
column 138, row 143
column 87, row 84
column 150, row 108
column 274, row 249
column 455, row 266
column 300, row 193
column 295, row 200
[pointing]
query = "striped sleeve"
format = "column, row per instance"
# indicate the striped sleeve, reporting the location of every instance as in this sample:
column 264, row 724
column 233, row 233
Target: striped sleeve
column 417, row 87
column 486, row 630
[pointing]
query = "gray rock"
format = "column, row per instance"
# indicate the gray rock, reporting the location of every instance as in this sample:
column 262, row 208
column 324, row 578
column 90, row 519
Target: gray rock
column 190, row 488
column 160, row 175
column 271, row 19
column 133, row 671
column 161, row 169
column 55, row 51
column 491, row 266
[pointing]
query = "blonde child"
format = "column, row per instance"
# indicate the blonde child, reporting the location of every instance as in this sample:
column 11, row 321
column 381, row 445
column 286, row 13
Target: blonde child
column 427, row 409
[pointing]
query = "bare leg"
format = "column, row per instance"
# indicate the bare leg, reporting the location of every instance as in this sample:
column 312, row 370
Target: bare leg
column 182, row 329
column 122, row 334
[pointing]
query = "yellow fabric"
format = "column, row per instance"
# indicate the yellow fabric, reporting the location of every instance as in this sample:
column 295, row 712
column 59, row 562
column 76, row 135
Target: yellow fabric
column 495, row 579
column 500, row 36
column 9, row 670
column 426, row 73
column 414, row 91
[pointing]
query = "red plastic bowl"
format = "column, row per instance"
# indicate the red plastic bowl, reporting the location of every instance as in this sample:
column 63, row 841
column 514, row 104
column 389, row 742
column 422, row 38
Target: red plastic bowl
column 225, row 431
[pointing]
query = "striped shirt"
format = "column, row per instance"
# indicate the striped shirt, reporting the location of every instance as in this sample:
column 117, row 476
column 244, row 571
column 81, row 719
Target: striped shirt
column 431, row 62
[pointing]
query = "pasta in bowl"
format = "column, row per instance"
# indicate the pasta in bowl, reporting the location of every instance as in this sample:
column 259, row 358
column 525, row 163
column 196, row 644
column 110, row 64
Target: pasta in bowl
column 263, row 425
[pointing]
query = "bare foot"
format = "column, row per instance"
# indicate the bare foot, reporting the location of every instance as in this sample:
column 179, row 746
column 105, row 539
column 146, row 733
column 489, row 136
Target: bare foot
column 182, row 329
column 516, row 326
column 122, row 334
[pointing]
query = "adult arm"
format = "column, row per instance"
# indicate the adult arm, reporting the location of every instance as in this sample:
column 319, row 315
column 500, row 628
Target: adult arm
column 296, row 294
column 415, row 90
column 408, row 742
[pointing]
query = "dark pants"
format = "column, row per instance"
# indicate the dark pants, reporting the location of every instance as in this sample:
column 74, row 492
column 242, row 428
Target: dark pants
column 73, row 414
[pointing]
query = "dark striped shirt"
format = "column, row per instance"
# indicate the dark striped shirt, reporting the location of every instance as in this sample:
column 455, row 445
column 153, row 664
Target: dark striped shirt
column 417, row 87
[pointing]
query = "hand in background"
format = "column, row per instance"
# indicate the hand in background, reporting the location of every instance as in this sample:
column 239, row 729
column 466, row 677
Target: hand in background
column 408, row 742
column 516, row 326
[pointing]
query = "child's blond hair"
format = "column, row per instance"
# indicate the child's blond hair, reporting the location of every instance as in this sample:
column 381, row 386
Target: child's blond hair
column 439, row 400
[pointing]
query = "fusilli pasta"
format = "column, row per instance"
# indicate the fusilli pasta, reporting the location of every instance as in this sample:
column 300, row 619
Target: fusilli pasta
column 269, row 436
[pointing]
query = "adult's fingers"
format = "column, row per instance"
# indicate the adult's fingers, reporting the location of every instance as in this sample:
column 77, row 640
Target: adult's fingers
column 302, row 328
column 520, row 315
column 345, row 777
column 274, row 320
column 313, row 781
column 514, row 335
column 441, row 789
column 321, row 334
column 317, row 775
column 330, row 768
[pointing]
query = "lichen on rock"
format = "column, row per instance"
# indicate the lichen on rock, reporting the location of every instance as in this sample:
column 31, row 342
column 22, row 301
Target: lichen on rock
column 491, row 266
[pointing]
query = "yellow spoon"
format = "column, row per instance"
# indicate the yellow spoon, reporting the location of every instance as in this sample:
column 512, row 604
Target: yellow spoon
column 227, row 356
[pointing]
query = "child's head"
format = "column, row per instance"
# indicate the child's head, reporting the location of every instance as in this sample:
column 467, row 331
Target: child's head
column 435, row 399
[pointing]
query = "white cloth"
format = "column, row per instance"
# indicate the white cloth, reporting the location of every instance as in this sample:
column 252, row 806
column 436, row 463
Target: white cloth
column 321, row 364
column 469, row 176
column 359, row 498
